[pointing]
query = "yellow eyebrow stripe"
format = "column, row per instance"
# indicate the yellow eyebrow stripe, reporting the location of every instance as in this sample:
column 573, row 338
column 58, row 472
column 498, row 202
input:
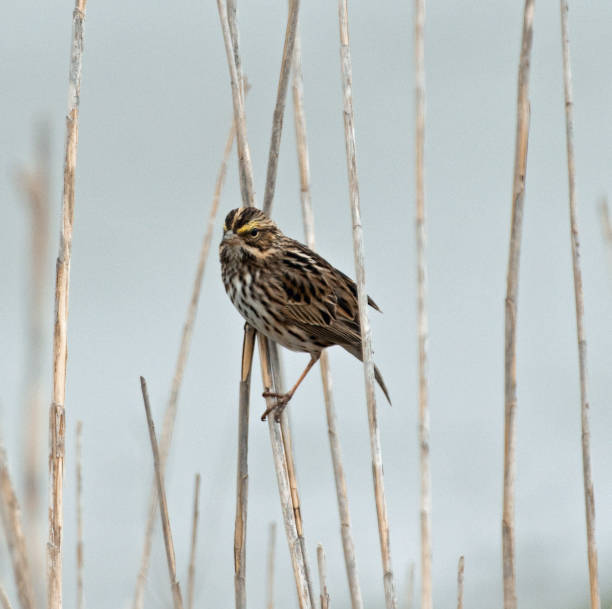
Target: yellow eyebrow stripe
column 247, row 227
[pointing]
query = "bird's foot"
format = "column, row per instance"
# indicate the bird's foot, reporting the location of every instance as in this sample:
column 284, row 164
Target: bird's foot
column 282, row 399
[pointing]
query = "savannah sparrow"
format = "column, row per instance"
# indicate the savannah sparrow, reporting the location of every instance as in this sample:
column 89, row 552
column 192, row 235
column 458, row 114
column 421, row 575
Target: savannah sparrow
column 288, row 293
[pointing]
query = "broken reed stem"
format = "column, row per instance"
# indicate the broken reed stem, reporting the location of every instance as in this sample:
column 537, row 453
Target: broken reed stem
column 79, row 514
column 460, row 568
column 4, row 601
column 194, row 536
column 348, row 545
column 183, row 354
column 422, row 323
column 518, row 196
column 279, row 108
column 57, row 423
column 163, row 506
column 13, row 533
column 242, row 469
column 589, row 493
column 298, row 559
column 377, row 468
column 270, row 566
column 229, row 29
column 322, row 577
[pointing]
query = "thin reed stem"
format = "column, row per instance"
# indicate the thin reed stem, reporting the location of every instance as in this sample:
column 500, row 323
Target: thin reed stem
column 4, row 601
column 298, row 559
column 10, row 515
column 606, row 227
column 163, row 505
column 518, row 196
column 279, row 108
column 377, row 467
column 348, row 545
column 460, row 568
column 57, row 422
column 79, row 514
column 324, row 594
column 242, row 473
column 181, row 362
column 422, row 323
column 410, row 587
column 270, row 566
column 589, row 493
column 194, row 536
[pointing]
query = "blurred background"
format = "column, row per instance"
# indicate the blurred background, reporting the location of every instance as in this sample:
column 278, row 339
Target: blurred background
column 155, row 111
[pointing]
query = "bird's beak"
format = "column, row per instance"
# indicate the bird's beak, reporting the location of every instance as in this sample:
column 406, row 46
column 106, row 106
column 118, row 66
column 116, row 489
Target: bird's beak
column 230, row 238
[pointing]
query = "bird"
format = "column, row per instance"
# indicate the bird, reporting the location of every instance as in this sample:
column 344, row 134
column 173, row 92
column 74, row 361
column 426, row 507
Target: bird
column 288, row 293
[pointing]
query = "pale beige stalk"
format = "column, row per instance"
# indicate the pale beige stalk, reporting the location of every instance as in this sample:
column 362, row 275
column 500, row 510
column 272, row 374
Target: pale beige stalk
column 410, row 587
column 242, row 469
column 348, row 545
column 377, row 467
column 270, row 566
column 589, row 493
column 606, row 227
column 4, row 601
column 298, row 559
column 57, row 422
column 422, row 323
column 460, row 568
column 79, row 514
column 518, row 196
column 181, row 362
column 163, row 505
column 324, row 594
column 10, row 514
column 194, row 537
column 279, row 108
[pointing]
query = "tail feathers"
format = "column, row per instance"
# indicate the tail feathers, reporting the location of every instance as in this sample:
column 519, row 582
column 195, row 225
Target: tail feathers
column 379, row 380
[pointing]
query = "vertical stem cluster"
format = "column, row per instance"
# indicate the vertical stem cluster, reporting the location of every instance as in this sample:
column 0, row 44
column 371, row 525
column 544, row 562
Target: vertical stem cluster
column 270, row 566
column 57, row 423
column 589, row 493
column 348, row 545
column 518, row 196
column 377, row 468
column 425, row 508
column 79, row 519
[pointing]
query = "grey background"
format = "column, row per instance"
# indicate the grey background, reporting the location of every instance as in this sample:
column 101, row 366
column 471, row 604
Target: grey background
column 155, row 109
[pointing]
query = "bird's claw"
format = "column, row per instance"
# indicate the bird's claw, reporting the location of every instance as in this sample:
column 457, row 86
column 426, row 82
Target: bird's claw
column 282, row 399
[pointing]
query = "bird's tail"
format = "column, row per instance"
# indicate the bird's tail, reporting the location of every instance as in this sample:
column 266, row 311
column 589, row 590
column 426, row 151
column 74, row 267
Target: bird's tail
column 377, row 375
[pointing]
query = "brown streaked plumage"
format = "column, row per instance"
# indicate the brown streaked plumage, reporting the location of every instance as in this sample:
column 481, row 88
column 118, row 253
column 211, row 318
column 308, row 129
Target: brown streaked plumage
column 288, row 292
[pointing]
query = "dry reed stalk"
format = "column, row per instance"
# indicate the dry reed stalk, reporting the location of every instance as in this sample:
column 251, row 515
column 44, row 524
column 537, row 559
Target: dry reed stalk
column 410, row 587
column 518, row 196
column 298, row 559
column 229, row 29
column 183, row 354
column 322, row 577
column 57, row 421
column 589, row 493
column 79, row 514
column 270, row 566
column 163, row 505
column 13, row 533
column 460, row 568
column 4, row 601
column 194, row 534
column 242, row 469
column 377, row 467
column 422, row 324
column 279, row 108
column 348, row 545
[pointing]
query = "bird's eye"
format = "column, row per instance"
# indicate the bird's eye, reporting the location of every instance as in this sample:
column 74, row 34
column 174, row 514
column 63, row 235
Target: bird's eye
column 254, row 232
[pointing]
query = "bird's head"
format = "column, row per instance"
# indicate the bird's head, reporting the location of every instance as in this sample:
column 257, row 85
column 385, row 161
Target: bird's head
column 248, row 230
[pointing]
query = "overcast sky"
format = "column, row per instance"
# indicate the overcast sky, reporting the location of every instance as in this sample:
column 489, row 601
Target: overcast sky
column 155, row 110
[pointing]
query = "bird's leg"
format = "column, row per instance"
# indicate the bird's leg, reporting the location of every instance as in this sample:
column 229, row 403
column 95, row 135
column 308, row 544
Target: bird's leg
column 283, row 398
